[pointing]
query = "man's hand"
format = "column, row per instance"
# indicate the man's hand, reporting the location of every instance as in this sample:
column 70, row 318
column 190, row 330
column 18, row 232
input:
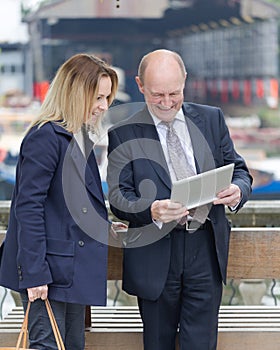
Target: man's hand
column 166, row 211
column 230, row 196
column 40, row 292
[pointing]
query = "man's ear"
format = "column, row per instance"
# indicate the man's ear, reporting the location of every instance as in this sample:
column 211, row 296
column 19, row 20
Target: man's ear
column 139, row 84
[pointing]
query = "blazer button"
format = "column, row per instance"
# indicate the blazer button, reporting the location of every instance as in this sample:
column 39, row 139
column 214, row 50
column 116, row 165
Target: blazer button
column 81, row 243
column 84, row 210
column 20, row 278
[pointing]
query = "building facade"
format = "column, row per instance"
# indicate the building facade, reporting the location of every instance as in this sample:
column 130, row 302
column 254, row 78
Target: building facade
column 230, row 47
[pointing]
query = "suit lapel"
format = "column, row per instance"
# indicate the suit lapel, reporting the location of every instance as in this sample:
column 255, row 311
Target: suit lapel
column 196, row 127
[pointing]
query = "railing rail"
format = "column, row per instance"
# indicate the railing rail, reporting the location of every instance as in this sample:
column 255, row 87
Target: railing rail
column 255, row 213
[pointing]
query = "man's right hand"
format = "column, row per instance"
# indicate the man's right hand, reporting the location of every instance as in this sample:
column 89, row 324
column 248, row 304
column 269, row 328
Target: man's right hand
column 166, row 211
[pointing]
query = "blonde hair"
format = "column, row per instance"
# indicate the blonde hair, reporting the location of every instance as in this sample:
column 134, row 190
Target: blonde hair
column 74, row 89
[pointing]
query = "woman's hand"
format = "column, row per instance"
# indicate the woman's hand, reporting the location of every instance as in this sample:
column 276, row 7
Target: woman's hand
column 117, row 226
column 40, row 292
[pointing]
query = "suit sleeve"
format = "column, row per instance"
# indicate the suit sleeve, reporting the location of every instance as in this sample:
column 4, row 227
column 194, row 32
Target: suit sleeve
column 125, row 197
column 241, row 176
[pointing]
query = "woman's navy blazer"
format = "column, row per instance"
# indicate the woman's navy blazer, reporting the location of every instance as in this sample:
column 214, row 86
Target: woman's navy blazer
column 58, row 225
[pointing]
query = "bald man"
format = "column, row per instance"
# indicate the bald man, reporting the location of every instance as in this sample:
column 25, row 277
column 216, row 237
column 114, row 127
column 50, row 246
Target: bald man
column 175, row 261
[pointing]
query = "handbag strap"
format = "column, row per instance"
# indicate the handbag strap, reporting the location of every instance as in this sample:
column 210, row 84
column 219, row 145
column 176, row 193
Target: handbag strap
column 57, row 335
column 24, row 328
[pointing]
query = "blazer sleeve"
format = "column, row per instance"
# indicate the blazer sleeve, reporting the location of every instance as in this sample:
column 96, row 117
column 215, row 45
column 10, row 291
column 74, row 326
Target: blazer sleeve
column 38, row 161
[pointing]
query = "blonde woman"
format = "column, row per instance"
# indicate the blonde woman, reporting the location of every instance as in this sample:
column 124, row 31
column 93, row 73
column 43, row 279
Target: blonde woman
column 55, row 245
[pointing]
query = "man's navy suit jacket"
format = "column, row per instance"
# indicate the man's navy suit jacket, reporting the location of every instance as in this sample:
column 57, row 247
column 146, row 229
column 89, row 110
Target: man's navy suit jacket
column 138, row 175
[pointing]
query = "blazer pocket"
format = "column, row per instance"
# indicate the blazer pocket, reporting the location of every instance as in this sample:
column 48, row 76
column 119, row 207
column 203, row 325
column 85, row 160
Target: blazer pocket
column 60, row 257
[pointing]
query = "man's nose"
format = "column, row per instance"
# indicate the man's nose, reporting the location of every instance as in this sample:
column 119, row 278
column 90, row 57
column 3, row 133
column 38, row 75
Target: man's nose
column 167, row 101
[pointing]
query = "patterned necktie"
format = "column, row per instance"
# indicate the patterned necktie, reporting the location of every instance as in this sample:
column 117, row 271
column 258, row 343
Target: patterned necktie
column 177, row 155
column 182, row 168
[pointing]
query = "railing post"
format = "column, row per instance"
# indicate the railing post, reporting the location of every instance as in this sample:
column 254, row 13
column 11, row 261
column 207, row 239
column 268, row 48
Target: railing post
column 252, row 291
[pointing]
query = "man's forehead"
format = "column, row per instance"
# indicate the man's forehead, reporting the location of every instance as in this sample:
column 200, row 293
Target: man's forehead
column 163, row 89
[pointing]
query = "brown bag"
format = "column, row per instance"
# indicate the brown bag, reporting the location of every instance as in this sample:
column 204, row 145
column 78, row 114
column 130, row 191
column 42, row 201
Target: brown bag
column 22, row 338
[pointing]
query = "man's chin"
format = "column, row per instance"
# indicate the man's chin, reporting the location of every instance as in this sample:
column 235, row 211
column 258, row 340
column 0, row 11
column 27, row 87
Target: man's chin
column 166, row 115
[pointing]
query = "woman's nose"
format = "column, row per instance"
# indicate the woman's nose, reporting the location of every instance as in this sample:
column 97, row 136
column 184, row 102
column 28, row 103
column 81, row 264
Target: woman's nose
column 104, row 105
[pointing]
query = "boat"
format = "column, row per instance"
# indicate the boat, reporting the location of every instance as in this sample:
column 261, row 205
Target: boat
column 266, row 178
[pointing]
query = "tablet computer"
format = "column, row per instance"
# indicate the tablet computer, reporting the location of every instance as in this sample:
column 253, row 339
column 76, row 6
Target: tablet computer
column 201, row 189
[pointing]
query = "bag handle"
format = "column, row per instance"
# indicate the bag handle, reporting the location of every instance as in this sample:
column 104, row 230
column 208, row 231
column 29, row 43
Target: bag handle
column 24, row 328
column 55, row 328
